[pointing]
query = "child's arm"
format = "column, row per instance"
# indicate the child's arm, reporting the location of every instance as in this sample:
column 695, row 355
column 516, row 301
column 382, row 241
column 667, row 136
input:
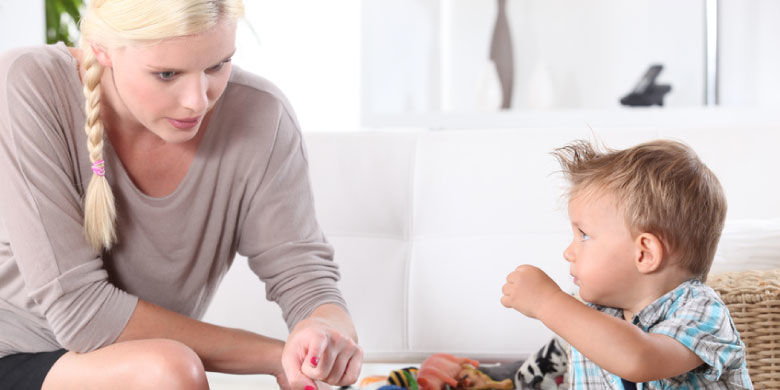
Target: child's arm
column 612, row 343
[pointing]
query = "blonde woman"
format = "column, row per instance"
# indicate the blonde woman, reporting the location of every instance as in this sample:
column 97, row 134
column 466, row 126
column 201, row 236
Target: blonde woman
column 134, row 168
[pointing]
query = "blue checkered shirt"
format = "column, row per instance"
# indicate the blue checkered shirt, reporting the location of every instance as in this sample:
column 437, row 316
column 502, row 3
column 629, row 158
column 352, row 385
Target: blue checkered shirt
column 694, row 315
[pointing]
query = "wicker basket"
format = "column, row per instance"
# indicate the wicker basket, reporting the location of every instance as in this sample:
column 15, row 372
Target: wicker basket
column 753, row 298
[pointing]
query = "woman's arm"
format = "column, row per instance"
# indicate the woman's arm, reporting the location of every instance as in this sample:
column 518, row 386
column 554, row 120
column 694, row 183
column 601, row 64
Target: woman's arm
column 336, row 317
column 221, row 349
column 285, row 247
column 40, row 204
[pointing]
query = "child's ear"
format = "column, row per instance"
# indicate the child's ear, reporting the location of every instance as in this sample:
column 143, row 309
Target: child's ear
column 101, row 54
column 649, row 253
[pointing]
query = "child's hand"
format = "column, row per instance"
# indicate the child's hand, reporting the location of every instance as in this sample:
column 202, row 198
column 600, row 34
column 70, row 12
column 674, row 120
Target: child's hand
column 528, row 289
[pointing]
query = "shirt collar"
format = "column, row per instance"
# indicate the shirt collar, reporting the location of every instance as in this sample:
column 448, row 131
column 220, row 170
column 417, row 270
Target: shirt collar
column 661, row 307
column 657, row 310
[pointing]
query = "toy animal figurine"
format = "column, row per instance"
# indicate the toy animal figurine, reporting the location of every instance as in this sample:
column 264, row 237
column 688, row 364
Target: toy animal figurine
column 544, row 368
column 405, row 377
column 470, row 378
column 372, row 382
column 441, row 369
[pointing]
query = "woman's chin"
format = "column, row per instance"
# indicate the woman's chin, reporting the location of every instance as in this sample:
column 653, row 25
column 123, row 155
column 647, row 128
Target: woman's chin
column 177, row 136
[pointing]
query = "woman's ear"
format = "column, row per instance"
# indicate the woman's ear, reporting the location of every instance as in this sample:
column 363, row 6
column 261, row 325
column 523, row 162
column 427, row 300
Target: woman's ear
column 101, row 55
column 649, row 253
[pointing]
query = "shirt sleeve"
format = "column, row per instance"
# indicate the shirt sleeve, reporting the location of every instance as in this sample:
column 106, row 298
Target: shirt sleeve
column 40, row 206
column 704, row 326
column 281, row 236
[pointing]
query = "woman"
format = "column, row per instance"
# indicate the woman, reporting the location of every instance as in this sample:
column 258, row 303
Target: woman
column 136, row 166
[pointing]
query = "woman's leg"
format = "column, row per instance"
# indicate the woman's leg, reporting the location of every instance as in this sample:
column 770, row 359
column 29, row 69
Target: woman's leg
column 140, row 364
column 26, row 371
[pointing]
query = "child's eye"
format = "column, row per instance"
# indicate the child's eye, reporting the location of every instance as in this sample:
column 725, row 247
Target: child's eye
column 584, row 236
column 166, row 76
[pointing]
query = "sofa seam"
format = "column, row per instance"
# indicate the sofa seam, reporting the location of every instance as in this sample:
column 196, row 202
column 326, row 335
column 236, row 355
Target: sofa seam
column 410, row 239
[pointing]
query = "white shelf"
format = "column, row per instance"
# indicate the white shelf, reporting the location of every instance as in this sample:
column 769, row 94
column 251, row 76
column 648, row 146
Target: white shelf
column 617, row 117
column 425, row 64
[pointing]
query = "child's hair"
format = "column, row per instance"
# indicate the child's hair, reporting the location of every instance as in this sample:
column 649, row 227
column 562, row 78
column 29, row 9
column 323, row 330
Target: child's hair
column 662, row 187
column 116, row 23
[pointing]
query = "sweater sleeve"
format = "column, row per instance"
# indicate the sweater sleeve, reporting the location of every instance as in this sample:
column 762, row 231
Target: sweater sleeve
column 281, row 236
column 40, row 206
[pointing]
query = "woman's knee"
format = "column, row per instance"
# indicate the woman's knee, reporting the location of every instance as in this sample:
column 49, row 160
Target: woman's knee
column 140, row 364
column 168, row 364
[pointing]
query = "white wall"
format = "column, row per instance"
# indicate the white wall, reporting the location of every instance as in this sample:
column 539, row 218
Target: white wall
column 750, row 43
column 22, row 23
column 311, row 50
column 569, row 54
column 339, row 60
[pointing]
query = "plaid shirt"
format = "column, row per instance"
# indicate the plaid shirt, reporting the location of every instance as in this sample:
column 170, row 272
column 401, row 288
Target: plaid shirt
column 694, row 315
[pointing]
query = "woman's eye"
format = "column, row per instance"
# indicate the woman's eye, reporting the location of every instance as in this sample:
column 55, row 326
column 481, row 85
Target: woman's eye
column 218, row 67
column 166, row 76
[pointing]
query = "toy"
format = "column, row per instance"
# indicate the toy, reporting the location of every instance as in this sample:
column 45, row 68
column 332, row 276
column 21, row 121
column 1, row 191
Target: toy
column 405, row 377
column 373, row 382
column 441, row 369
column 471, row 378
column 544, row 370
column 547, row 368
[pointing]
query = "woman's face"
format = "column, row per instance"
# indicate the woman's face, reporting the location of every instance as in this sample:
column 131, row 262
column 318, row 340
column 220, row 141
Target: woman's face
column 167, row 88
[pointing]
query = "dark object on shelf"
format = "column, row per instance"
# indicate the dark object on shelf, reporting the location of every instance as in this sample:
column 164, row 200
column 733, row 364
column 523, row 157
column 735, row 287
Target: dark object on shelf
column 501, row 55
column 647, row 92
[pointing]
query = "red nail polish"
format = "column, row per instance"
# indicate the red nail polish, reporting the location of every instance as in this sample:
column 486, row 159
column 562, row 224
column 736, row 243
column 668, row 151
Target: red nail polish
column 314, row 362
column 310, row 388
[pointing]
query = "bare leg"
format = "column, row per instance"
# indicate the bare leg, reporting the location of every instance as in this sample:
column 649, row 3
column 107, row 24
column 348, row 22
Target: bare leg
column 139, row 364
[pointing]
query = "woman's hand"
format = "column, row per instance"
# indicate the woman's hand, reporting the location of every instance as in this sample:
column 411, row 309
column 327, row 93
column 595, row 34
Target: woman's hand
column 284, row 384
column 322, row 348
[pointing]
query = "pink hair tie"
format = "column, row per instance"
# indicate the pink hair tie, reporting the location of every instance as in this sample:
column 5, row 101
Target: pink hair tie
column 98, row 168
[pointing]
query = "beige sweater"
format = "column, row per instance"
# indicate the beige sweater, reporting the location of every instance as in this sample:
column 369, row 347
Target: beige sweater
column 247, row 191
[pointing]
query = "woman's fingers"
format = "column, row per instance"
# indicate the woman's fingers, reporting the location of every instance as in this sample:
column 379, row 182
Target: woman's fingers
column 319, row 356
column 292, row 357
column 330, row 357
column 352, row 372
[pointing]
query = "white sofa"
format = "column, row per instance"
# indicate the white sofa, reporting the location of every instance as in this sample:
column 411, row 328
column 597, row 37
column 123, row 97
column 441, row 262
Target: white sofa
column 426, row 225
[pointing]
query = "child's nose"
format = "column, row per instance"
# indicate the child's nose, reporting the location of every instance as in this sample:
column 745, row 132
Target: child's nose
column 568, row 253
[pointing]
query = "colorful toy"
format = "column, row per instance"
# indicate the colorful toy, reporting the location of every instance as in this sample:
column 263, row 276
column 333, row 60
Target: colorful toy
column 373, row 382
column 471, row 378
column 544, row 370
column 441, row 369
column 405, row 377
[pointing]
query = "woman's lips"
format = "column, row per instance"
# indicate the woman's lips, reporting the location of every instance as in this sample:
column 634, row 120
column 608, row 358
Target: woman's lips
column 185, row 123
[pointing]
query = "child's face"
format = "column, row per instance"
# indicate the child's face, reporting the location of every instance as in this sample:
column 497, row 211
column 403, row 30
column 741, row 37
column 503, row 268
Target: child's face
column 602, row 251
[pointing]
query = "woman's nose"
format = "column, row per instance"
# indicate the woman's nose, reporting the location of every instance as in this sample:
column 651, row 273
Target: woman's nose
column 195, row 95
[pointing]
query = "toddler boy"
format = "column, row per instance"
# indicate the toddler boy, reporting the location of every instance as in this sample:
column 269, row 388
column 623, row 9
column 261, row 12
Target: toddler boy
column 646, row 223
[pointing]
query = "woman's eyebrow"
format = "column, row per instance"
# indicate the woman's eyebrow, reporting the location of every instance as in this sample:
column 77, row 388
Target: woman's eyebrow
column 162, row 68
